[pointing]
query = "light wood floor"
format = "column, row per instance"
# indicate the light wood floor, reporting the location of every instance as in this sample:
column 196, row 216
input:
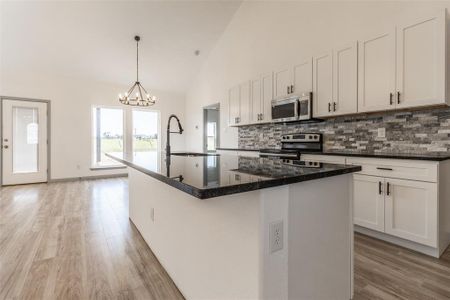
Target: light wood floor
column 73, row 240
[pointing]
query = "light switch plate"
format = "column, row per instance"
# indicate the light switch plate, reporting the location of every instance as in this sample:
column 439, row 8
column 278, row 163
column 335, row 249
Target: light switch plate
column 381, row 132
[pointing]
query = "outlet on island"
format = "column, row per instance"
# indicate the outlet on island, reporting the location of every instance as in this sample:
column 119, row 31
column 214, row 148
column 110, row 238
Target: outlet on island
column 276, row 236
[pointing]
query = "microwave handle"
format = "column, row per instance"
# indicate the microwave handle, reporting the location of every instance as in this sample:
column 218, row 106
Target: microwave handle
column 297, row 109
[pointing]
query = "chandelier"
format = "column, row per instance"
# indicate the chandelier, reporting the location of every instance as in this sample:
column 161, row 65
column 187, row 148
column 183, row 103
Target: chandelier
column 137, row 95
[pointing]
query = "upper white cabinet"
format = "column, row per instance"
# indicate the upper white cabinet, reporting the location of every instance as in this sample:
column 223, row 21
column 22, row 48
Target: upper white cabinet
column 293, row 79
column 239, row 104
column 234, row 105
column 261, row 97
column 323, row 84
column 404, row 67
column 335, row 89
column 377, row 72
column 421, row 62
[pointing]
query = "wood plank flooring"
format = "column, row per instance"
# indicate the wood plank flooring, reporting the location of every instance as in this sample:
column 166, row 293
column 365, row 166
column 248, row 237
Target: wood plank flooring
column 73, row 240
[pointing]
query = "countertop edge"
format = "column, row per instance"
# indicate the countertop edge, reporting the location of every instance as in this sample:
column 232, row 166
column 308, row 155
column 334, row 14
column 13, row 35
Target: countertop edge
column 235, row 189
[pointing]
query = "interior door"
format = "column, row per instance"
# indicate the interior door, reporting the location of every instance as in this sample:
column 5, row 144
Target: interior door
column 24, row 142
column 368, row 197
column 323, row 84
column 421, row 62
column 411, row 210
column 376, row 83
column 345, row 81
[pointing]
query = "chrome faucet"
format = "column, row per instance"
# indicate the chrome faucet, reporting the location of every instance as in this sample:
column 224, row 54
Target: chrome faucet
column 180, row 131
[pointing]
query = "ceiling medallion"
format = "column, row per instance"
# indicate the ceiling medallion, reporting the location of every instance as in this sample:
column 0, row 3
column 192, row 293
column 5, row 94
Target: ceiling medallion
column 141, row 96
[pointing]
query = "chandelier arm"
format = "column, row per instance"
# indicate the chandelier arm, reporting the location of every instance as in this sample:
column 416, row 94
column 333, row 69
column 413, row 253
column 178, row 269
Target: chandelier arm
column 145, row 91
column 140, row 91
column 130, row 91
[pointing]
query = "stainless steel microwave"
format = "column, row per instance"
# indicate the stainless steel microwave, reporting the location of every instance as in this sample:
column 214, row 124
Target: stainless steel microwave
column 294, row 108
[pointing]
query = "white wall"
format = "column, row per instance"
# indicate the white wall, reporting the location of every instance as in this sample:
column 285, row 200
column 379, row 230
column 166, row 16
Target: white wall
column 71, row 105
column 263, row 36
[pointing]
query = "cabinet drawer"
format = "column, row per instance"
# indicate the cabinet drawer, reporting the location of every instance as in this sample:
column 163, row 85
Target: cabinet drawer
column 402, row 169
column 324, row 158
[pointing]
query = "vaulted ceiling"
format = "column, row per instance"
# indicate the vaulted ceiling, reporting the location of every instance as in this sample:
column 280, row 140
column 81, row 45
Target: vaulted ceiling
column 95, row 40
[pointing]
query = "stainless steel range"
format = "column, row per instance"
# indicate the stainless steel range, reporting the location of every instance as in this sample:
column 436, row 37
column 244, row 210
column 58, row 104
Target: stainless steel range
column 293, row 145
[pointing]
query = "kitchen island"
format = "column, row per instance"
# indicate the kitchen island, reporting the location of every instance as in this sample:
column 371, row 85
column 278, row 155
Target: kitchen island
column 229, row 227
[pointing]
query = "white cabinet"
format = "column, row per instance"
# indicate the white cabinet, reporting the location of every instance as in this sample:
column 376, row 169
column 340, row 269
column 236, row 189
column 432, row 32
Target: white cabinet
column 261, row 97
column 404, row 67
column 421, row 62
column 323, row 84
column 411, row 210
column 345, row 81
column 368, row 206
column 376, row 72
column 234, row 105
column 335, row 82
column 239, row 104
column 293, row 79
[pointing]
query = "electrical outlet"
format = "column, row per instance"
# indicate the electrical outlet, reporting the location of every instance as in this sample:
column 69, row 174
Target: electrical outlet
column 381, row 132
column 152, row 214
column 276, row 236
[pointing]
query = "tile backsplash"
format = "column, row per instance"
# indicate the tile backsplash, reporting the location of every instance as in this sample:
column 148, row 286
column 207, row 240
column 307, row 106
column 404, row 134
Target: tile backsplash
column 406, row 132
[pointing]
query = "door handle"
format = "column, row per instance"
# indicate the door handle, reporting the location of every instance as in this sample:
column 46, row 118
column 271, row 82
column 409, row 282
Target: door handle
column 6, row 147
column 292, row 89
column 380, row 189
column 388, row 189
column 287, row 88
column 391, row 96
column 329, row 107
column 398, row 97
column 334, row 106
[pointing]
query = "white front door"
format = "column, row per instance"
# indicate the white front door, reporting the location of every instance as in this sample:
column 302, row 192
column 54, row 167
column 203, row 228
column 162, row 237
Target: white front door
column 24, row 142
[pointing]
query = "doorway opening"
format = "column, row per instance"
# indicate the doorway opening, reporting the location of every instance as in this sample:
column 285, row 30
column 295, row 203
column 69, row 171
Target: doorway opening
column 25, row 135
column 211, row 127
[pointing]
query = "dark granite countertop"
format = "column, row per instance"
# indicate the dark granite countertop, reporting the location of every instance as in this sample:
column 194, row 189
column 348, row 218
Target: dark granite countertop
column 437, row 156
column 218, row 175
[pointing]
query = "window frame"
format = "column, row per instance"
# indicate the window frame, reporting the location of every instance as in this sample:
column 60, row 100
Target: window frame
column 158, row 123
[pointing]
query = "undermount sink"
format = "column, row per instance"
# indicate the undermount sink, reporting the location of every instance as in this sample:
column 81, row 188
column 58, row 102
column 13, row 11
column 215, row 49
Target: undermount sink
column 193, row 154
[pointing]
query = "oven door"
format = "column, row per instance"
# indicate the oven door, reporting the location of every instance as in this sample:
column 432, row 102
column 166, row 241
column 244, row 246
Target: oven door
column 285, row 110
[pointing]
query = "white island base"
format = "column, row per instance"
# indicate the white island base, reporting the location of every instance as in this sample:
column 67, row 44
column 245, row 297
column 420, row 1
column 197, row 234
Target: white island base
column 219, row 248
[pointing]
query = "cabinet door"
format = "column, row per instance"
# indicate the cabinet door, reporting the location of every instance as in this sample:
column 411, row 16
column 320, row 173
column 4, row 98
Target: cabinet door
column 345, row 81
column 267, row 96
column 302, row 76
column 376, row 84
column 411, row 210
column 245, row 91
column 323, row 84
column 233, row 105
column 421, row 62
column 256, row 100
column 368, row 201
column 282, row 82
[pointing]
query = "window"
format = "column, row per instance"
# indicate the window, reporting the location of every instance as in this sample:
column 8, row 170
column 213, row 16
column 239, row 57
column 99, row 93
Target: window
column 211, row 136
column 145, row 136
column 108, row 135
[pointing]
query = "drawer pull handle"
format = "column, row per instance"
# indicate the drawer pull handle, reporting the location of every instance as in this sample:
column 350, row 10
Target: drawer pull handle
column 385, row 169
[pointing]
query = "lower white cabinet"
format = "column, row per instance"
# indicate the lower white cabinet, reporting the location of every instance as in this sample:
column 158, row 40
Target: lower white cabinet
column 411, row 209
column 368, row 205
